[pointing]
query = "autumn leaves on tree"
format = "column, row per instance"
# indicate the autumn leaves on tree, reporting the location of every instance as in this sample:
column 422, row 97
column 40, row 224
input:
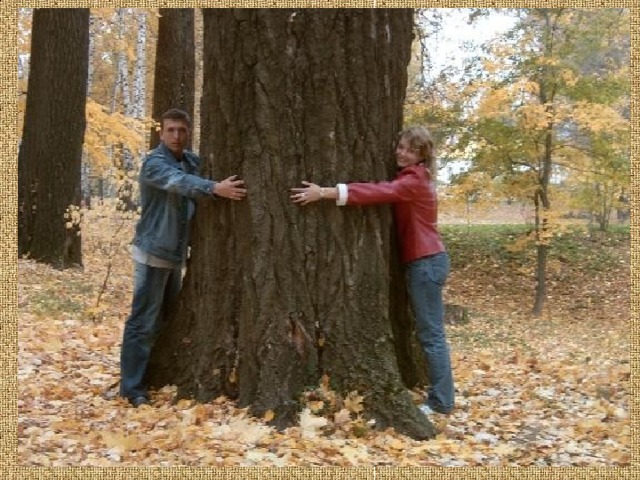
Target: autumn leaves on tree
column 550, row 120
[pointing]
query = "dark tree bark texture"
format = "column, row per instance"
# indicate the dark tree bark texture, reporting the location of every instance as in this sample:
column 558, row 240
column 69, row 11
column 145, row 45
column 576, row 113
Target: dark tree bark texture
column 174, row 80
column 51, row 149
column 277, row 295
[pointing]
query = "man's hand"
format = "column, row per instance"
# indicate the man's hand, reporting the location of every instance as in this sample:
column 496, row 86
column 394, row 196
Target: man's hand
column 230, row 188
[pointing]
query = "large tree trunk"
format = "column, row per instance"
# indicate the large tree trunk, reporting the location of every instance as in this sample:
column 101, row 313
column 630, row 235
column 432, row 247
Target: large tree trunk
column 277, row 295
column 51, row 150
column 174, row 81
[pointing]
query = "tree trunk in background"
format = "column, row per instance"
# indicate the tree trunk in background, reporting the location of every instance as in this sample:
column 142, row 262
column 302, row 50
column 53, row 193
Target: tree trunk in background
column 134, row 106
column 85, row 167
column 121, row 157
column 199, row 34
column 140, row 71
column 51, row 151
column 174, row 81
column 93, row 31
column 122, row 69
column 547, row 88
column 277, row 295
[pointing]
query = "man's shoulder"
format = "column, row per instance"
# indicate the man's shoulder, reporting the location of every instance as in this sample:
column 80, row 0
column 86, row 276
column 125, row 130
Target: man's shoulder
column 161, row 155
column 192, row 157
column 156, row 153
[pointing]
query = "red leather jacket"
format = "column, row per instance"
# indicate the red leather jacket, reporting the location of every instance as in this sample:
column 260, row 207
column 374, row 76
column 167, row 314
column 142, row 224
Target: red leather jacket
column 415, row 207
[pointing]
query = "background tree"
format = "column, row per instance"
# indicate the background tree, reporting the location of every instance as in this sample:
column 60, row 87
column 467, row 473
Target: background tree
column 597, row 170
column 277, row 297
column 123, row 45
column 51, row 149
column 555, row 122
column 174, row 80
column 542, row 112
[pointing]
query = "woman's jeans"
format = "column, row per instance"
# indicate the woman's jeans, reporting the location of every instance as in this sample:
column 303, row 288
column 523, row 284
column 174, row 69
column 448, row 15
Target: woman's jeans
column 155, row 291
column 425, row 279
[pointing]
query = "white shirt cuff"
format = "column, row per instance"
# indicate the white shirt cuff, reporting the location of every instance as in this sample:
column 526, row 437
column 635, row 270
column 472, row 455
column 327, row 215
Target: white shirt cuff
column 343, row 194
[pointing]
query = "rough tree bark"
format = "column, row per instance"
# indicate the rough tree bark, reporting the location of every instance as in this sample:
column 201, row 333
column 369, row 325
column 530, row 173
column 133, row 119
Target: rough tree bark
column 174, row 80
column 276, row 295
column 51, row 150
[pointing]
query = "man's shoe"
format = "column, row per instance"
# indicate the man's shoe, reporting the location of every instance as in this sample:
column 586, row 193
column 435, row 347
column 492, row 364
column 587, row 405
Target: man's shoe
column 141, row 400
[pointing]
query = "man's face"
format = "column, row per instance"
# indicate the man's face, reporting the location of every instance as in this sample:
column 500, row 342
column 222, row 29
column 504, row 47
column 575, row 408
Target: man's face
column 175, row 135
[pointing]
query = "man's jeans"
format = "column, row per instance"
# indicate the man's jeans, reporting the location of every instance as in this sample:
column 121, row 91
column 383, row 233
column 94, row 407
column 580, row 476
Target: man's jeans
column 155, row 291
column 425, row 279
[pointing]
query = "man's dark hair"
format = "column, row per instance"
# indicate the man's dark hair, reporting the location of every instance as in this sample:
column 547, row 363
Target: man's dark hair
column 176, row 114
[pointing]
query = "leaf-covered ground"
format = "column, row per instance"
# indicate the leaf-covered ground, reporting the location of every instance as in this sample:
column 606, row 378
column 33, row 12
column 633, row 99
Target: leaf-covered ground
column 531, row 391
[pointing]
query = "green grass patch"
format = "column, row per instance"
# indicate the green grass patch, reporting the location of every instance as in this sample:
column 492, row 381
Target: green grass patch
column 486, row 243
column 583, row 248
column 591, row 250
column 69, row 300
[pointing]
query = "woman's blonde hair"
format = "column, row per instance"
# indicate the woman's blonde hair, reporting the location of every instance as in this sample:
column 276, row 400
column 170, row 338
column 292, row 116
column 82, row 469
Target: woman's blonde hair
column 420, row 139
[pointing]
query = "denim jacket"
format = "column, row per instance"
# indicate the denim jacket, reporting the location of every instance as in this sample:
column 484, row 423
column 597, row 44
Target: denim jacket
column 166, row 193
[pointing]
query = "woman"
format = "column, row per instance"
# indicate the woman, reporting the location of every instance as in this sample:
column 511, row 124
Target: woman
column 413, row 195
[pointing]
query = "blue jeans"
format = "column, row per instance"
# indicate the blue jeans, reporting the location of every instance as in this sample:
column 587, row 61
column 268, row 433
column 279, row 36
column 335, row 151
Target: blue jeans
column 155, row 291
column 425, row 279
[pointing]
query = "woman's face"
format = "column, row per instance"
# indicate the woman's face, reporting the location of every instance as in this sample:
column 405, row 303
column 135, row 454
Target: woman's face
column 405, row 155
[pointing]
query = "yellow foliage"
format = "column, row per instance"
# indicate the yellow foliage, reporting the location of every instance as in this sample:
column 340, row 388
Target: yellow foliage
column 496, row 103
column 269, row 415
column 73, row 217
column 528, row 87
column 490, row 66
column 533, row 117
column 353, row 402
column 106, row 130
column 569, row 77
column 599, row 118
column 552, row 225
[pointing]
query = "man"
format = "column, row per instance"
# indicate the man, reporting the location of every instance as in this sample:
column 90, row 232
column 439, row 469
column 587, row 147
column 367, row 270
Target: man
column 169, row 180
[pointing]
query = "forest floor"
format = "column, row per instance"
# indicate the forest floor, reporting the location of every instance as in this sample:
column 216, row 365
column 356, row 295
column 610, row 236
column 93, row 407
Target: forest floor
column 547, row 391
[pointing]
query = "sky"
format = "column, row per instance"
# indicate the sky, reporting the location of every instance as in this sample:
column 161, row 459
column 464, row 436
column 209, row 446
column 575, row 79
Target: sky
column 446, row 47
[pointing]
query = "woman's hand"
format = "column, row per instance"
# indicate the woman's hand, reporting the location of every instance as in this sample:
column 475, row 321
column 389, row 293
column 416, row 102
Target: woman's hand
column 307, row 194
